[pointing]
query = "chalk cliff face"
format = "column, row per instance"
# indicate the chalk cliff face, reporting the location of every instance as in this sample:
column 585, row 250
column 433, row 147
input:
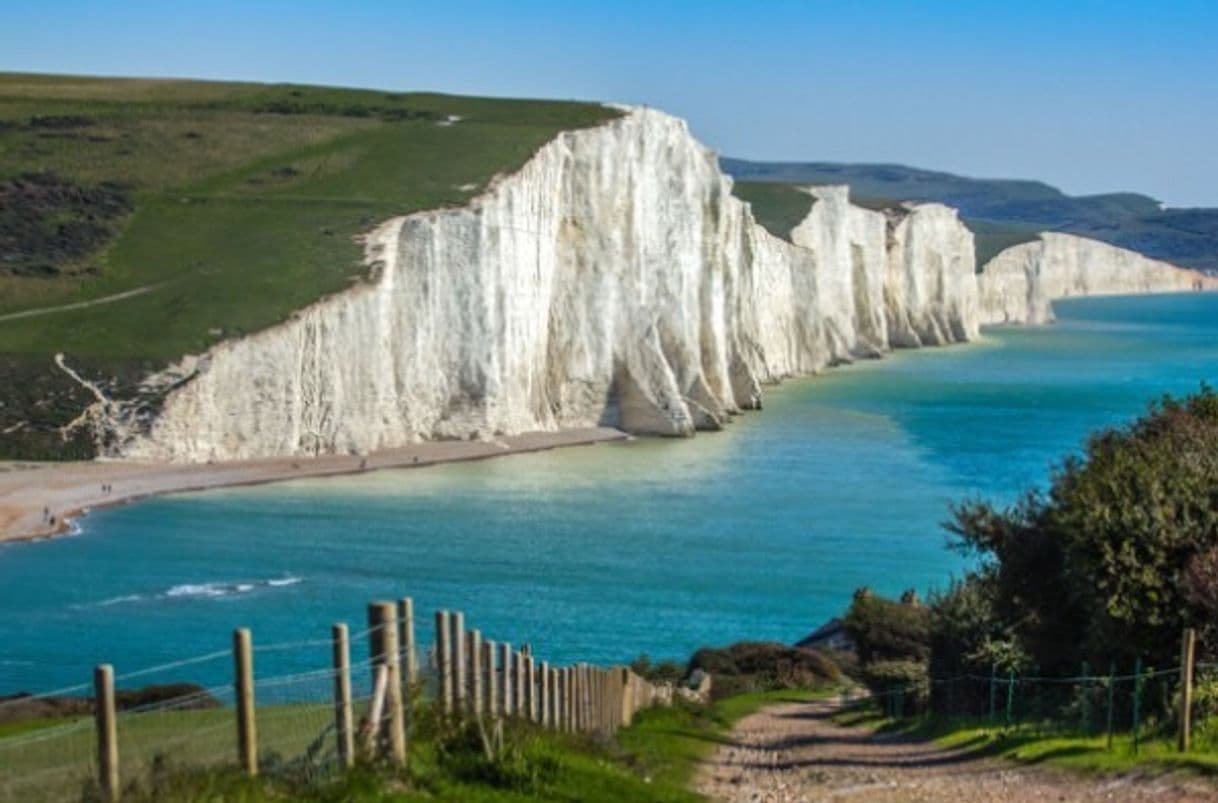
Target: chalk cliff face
column 614, row 280
column 1019, row 284
column 931, row 295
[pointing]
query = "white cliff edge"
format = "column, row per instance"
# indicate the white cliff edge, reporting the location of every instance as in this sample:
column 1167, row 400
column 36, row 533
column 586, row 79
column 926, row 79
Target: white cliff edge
column 613, row 280
column 1019, row 285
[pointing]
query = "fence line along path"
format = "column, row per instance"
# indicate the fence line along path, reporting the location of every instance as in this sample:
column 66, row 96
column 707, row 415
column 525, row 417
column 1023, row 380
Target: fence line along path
column 320, row 720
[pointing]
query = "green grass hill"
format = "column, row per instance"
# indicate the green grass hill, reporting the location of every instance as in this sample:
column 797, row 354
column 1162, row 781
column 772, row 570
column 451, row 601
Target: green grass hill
column 141, row 220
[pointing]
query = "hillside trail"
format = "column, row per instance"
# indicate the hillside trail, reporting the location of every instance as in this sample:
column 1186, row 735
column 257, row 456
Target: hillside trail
column 93, row 302
column 795, row 752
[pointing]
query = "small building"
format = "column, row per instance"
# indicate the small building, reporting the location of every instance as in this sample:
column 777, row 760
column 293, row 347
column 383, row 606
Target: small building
column 831, row 635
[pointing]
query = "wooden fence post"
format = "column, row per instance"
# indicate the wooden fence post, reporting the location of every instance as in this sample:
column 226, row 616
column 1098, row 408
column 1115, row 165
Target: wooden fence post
column 518, row 695
column 107, row 731
column 406, row 640
column 584, row 679
column 490, row 680
column 444, row 662
column 343, row 715
column 530, row 688
column 626, row 709
column 376, row 709
column 547, row 702
column 382, row 617
column 572, row 705
column 474, row 649
column 247, row 728
column 506, row 685
column 1187, row 649
column 598, row 688
column 456, row 642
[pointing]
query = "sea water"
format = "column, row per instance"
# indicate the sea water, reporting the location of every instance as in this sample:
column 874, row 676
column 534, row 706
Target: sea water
column 601, row 553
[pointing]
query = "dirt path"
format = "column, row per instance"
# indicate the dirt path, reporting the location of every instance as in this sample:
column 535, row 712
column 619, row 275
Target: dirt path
column 33, row 313
column 793, row 752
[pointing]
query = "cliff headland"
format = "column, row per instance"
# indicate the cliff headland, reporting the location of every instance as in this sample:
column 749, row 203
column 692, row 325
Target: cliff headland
column 607, row 280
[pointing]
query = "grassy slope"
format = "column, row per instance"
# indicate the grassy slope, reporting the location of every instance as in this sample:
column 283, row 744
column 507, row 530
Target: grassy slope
column 247, row 202
column 231, row 244
column 651, row 762
column 779, row 208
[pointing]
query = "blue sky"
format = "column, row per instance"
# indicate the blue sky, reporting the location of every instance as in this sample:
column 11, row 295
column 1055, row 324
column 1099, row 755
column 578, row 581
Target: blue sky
column 1091, row 96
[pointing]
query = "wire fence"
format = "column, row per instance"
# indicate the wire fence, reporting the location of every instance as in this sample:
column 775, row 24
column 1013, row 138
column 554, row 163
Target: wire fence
column 98, row 741
column 1133, row 708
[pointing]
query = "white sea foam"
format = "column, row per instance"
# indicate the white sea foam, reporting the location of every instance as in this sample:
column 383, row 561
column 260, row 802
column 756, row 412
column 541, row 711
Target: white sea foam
column 106, row 603
column 227, row 589
column 200, row 591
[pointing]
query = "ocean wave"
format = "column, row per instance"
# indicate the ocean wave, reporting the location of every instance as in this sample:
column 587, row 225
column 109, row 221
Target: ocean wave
column 106, row 603
column 228, row 589
column 210, row 590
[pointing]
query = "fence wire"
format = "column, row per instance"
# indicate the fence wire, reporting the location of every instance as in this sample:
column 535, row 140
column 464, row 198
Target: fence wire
column 1133, row 708
column 47, row 756
column 49, row 743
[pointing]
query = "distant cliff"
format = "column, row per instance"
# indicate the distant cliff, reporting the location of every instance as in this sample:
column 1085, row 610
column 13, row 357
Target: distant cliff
column 1001, row 211
column 613, row 280
column 1019, row 284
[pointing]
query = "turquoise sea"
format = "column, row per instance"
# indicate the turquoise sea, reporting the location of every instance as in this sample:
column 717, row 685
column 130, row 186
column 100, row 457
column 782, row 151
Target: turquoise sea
column 604, row 552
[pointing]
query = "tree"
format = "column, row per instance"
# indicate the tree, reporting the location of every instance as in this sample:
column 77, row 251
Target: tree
column 1099, row 566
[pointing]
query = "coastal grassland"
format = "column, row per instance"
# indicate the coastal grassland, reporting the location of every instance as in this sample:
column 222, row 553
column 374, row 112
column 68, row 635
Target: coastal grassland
column 991, row 237
column 228, row 206
column 653, row 761
column 778, row 208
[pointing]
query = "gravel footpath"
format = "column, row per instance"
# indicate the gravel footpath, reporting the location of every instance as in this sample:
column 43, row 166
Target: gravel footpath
column 794, row 752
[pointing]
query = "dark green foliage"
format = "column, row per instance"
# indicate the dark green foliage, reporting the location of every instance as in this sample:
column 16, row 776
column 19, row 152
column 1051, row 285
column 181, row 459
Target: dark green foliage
column 658, row 671
column 763, row 666
column 48, row 223
column 901, row 685
column 884, row 630
column 39, row 401
column 892, row 640
column 516, row 764
column 1096, row 569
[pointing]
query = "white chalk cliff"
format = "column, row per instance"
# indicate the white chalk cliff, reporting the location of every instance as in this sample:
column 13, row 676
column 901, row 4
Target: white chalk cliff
column 1019, row 284
column 613, row 280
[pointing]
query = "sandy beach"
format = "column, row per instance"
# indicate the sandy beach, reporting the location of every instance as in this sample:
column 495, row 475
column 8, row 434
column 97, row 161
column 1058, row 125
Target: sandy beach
column 39, row 500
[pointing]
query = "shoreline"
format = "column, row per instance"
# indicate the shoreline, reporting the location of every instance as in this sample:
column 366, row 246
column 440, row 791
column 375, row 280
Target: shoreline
column 31, row 490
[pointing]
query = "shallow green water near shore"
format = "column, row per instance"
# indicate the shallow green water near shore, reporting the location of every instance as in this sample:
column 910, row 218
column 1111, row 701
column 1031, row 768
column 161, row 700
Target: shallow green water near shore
column 600, row 553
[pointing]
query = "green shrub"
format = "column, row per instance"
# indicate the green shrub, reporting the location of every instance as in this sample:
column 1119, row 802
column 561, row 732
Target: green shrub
column 750, row 666
column 885, row 630
column 1110, row 562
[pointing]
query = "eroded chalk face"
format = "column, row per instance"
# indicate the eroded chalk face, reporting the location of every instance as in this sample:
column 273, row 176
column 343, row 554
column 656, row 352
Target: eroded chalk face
column 614, row 280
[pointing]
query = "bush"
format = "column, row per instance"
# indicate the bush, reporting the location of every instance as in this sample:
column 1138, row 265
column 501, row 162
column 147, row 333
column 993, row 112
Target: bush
column 886, row 630
column 662, row 672
column 1114, row 560
column 763, row 666
column 903, row 686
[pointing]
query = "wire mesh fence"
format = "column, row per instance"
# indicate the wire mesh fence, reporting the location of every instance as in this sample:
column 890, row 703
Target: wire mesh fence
column 1178, row 704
